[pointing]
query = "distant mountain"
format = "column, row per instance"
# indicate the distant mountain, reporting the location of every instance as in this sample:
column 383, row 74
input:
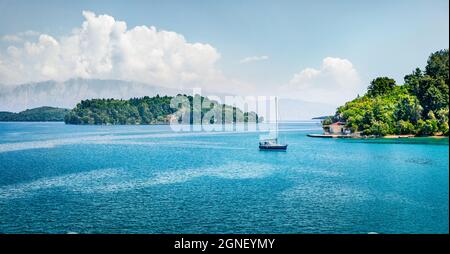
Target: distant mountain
column 68, row 93
column 41, row 114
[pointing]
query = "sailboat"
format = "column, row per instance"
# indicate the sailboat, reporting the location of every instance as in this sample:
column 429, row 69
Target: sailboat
column 272, row 144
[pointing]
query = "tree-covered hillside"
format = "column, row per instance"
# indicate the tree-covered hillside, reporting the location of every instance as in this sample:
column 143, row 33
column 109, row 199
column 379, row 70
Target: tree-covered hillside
column 152, row 110
column 419, row 107
column 41, row 114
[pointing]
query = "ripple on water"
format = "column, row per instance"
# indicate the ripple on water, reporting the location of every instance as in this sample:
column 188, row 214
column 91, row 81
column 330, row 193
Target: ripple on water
column 113, row 180
column 419, row 161
column 75, row 181
column 112, row 140
column 227, row 171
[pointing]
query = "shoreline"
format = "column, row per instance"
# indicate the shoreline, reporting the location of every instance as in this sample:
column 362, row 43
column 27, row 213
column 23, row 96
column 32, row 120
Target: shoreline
column 373, row 137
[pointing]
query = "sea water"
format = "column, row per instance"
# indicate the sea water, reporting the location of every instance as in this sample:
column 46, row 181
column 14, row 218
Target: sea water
column 57, row 178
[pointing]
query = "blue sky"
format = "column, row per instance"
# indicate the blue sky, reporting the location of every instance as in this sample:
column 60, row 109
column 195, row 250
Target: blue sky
column 379, row 38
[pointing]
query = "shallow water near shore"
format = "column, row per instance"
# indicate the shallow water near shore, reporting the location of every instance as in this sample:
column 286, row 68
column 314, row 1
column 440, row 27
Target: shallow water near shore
column 57, row 178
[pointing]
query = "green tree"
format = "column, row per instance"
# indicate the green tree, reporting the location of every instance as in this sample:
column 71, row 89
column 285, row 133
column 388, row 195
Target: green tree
column 380, row 86
column 378, row 128
column 442, row 116
column 405, row 127
column 412, row 80
column 427, row 127
column 327, row 121
column 437, row 65
column 432, row 88
column 408, row 109
column 432, row 93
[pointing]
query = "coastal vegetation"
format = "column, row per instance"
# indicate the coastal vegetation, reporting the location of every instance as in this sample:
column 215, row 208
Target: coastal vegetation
column 155, row 110
column 418, row 107
column 41, row 114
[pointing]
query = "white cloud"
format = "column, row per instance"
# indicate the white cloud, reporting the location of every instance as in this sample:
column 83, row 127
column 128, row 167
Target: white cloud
column 28, row 33
column 19, row 37
column 11, row 38
column 253, row 59
column 104, row 48
column 335, row 82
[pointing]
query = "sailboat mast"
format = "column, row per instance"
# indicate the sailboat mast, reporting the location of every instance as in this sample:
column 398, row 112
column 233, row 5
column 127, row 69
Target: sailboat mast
column 276, row 117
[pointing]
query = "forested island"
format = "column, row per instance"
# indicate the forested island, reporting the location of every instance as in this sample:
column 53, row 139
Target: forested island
column 418, row 107
column 41, row 114
column 154, row 110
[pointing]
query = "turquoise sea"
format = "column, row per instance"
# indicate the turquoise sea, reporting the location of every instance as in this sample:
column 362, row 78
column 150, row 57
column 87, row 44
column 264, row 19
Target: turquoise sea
column 57, row 178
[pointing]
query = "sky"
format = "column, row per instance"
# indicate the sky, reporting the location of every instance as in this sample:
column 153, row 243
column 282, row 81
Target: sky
column 317, row 51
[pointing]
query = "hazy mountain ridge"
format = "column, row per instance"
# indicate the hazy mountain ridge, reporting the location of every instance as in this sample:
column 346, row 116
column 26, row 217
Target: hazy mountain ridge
column 68, row 94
